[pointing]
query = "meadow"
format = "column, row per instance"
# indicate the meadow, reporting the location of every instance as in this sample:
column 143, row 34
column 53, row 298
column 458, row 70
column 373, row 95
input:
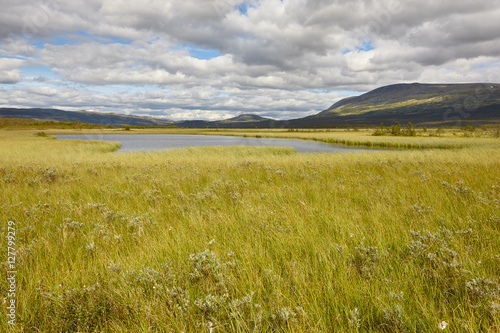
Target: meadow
column 252, row 239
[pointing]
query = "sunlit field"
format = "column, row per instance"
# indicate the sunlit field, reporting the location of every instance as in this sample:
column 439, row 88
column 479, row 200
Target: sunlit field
column 252, row 239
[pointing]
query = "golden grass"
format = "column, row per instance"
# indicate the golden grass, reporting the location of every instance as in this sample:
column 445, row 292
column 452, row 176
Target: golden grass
column 252, row 239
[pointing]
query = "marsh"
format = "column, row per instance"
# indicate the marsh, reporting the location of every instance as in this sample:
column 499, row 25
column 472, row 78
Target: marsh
column 138, row 142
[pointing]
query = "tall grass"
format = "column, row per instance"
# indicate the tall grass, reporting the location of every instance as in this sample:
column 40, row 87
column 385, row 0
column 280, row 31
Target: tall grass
column 251, row 239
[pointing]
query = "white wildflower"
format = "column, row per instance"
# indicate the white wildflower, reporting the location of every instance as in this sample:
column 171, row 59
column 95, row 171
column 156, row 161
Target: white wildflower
column 442, row 325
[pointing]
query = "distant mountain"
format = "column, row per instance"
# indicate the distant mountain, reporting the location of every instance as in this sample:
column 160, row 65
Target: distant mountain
column 245, row 118
column 422, row 104
column 241, row 121
column 83, row 116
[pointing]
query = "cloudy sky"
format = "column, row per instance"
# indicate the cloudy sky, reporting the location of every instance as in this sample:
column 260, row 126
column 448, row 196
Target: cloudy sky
column 214, row 59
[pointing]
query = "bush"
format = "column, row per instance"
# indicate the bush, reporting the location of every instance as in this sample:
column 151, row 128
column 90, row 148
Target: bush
column 396, row 129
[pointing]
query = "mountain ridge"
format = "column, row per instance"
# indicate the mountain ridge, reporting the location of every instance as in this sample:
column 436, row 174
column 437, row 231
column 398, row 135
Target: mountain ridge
column 443, row 104
column 419, row 103
column 406, row 90
column 245, row 118
column 90, row 117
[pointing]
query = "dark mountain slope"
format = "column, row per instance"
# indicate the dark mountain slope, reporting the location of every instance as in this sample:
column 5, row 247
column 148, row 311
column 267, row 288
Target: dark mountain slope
column 244, row 118
column 84, row 117
column 418, row 103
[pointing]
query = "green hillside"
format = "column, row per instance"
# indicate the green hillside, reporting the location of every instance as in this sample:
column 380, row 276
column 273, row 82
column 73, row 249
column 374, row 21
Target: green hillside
column 421, row 104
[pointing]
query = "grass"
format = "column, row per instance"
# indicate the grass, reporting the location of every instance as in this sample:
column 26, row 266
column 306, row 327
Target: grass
column 252, row 239
column 450, row 139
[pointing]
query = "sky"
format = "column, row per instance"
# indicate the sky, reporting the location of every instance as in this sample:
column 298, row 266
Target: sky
column 202, row 59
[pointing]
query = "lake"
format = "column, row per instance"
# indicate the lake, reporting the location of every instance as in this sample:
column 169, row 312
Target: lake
column 138, row 142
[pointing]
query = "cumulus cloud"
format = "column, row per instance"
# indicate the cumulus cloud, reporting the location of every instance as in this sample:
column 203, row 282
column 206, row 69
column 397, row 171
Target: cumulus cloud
column 219, row 58
column 9, row 70
column 176, row 104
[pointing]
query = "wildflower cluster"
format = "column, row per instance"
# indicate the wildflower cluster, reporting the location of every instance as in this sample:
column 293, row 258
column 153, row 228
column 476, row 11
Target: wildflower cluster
column 365, row 260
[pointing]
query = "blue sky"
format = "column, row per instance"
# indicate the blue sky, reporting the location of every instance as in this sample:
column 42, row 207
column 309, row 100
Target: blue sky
column 199, row 52
column 214, row 60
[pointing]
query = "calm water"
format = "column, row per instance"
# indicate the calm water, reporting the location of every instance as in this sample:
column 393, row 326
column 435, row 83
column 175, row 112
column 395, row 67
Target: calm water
column 138, row 142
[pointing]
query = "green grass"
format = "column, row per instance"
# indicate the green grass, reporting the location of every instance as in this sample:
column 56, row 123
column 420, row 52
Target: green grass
column 252, row 239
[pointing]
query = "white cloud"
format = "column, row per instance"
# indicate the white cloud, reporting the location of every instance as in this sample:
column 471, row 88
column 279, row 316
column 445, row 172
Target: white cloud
column 199, row 104
column 288, row 58
column 9, row 70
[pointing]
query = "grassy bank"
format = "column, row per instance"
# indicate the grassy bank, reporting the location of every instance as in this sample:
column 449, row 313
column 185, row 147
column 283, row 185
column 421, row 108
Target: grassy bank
column 252, row 239
column 448, row 139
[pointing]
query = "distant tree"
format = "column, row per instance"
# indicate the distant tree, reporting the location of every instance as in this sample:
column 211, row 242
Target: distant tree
column 410, row 130
column 396, row 129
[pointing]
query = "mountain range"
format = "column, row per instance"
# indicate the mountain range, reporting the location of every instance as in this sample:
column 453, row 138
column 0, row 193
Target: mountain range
column 84, row 117
column 421, row 104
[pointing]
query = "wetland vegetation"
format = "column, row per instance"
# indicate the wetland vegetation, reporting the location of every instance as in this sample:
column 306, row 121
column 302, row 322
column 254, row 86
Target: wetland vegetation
column 253, row 239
